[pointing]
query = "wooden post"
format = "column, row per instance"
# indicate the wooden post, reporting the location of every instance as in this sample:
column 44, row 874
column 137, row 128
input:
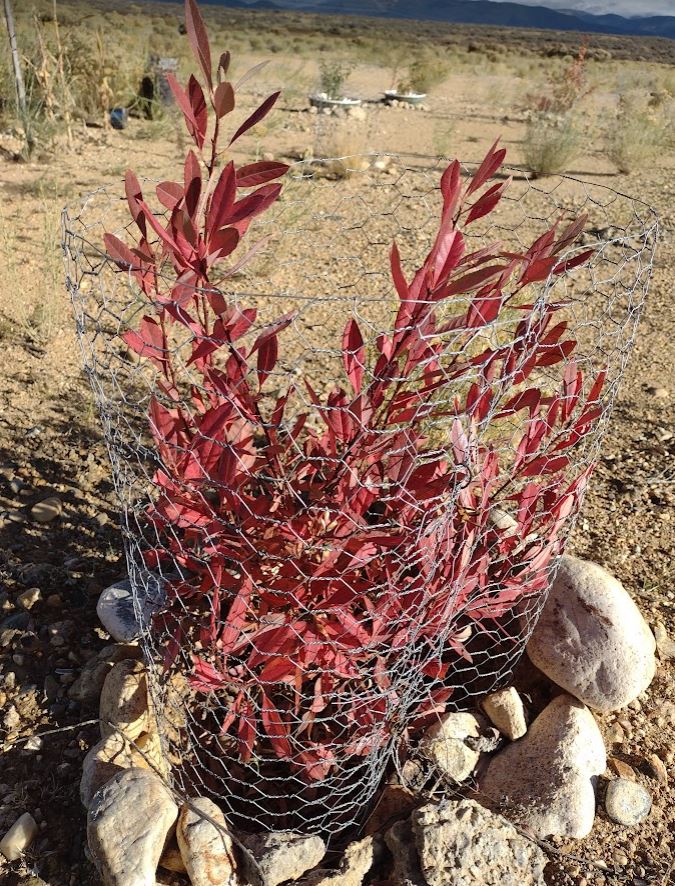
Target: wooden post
column 18, row 74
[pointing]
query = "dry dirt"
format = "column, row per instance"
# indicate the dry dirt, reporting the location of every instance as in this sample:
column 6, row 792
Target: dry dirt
column 50, row 442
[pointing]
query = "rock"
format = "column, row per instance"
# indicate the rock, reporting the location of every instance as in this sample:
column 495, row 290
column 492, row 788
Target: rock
column 172, row 860
column 591, row 638
column 19, row 837
column 114, row 754
column 627, row 802
column 545, row 781
column 88, row 686
column 117, row 613
column 460, row 842
column 47, row 510
column 622, row 768
column 444, row 744
column 355, row 863
column 282, row 856
column 124, row 700
column 664, row 645
column 400, row 842
column 658, row 392
column 206, row 848
column 357, row 113
column 29, row 598
column 394, row 802
column 657, row 768
column 506, row 711
column 127, row 826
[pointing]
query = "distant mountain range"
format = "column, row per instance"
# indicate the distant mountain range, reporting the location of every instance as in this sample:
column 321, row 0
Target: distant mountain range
column 479, row 12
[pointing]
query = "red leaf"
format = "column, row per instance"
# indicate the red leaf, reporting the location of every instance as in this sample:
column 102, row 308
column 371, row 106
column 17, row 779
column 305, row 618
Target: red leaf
column 224, row 62
column 134, row 195
column 198, row 38
column 260, row 173
column 353, row 354
column 545, row 464
column 192, row 175
column 199, row 111
column 493, row 160
column 120, row 253
column 267, row 357
column 169, row 194
column 222, row 199
column 397, row 274
column 183, row 103
column 573, row 262
column 256, row 116
column 276, row 729
column 223, row 99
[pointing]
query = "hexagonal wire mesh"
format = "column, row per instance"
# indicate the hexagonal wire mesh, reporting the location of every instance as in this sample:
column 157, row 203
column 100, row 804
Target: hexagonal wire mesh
column 307, row 717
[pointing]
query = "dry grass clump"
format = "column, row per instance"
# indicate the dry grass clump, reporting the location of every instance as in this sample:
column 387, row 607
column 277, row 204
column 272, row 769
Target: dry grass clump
column 638, row 134
column 551, row 144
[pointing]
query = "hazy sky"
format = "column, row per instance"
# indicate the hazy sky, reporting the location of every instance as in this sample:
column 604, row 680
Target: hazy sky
column 620, row 7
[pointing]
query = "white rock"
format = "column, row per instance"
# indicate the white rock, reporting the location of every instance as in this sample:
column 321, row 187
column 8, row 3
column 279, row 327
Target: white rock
column 444, row 744
column 128, row 824
column 506, row 711
column 591, row 638
column 283, row 855
column 112, row 755
column 19, row 837
column 118, row 613
column 460, row 842
column 124, row 701
column 545, row 781
column 206, row 848
column 627, row 802
column 355, row 863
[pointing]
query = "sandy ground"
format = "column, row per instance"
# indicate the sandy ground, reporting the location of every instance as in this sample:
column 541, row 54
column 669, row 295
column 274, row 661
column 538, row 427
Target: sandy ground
column 50, row 440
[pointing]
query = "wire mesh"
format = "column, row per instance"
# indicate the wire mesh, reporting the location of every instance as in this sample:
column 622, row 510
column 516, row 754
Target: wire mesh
column 334, row 633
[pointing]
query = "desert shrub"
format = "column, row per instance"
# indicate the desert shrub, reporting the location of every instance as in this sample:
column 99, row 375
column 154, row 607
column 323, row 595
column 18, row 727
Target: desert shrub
column 423, row 74
column 563, row 90
column 635, row 138
column 332, row 76
column 551, row 143
column 309, row 547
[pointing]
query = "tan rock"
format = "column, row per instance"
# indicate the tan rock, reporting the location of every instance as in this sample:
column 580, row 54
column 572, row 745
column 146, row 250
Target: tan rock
column 205, row 844
column 124, row 702
column 114, row 754
column 506, row 711
column 356, row 861
column 281, row 856
column 128, row 824
column 444, row 744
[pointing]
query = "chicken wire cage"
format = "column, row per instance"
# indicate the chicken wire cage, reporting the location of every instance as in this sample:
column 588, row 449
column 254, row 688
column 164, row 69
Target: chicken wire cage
column 308, row 603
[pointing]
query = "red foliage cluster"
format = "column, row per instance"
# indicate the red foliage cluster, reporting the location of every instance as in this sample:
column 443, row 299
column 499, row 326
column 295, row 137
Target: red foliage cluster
column 312, row 560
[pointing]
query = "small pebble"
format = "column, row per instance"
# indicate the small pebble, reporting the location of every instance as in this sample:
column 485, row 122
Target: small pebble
column 665, row 646
column 47, row 510
column 29, row 598
column 627, row 802
column 19, row 837
column 657, row 768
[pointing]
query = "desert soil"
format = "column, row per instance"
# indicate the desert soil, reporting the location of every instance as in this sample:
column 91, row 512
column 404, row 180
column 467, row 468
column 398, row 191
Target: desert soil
column 51, row 443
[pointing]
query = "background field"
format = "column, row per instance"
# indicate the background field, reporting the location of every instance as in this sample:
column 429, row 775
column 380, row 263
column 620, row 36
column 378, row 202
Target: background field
column 487, row 83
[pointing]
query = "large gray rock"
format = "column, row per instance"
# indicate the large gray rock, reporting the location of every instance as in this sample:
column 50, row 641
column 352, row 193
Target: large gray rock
column 460, row 843
column 206, row 845
column 546, row 780
column 591, row 638
column 445, row 745
column 128, row 824
column 123, row 617
column 281, row 856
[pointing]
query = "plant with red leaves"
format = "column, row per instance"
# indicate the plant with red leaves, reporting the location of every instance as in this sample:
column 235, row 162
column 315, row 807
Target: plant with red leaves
column 312, row 561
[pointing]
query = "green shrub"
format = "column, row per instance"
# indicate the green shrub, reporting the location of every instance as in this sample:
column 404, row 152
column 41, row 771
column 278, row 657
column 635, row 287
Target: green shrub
column 551, row 144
